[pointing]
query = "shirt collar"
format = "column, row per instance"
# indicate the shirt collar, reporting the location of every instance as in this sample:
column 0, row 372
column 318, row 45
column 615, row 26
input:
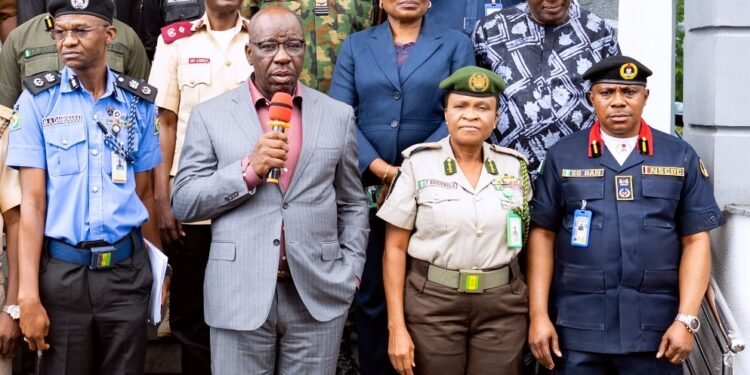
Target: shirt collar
column 260, row 100
column 69, row 82
column 645, row 140
column 204, row 22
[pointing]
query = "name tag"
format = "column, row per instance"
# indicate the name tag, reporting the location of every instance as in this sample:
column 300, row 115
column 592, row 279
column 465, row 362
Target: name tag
column 662, row 171
column 62, row 119
column 422, row 184
column 199, row 60
column 586, row 173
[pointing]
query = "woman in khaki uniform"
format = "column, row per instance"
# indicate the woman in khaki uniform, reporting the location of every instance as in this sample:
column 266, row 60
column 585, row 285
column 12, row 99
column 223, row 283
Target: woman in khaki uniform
column 459, row 209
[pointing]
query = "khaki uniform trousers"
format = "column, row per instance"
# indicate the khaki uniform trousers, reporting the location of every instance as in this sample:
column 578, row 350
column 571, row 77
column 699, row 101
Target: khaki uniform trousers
column 465, row 333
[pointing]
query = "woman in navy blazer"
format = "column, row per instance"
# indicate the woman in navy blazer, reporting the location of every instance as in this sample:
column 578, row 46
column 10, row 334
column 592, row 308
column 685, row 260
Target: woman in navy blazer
column 390, row 75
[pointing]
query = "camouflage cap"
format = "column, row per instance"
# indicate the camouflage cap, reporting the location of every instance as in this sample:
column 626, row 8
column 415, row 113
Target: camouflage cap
column 618, row 69
column 474, row 81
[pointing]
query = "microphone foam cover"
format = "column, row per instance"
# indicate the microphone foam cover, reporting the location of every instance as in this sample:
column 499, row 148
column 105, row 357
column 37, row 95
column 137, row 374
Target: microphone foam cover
column 281, row 107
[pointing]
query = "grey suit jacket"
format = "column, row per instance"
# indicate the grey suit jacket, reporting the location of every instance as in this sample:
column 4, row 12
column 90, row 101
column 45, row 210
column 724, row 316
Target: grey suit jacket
column 324, row 210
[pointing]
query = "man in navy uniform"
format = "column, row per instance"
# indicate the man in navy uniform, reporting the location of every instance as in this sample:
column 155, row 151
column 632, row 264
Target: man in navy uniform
column 84, row 140
column 620, row 245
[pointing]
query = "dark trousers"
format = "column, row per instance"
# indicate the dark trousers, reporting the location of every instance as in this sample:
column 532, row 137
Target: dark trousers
column 186, row 298
column 586, row 363
column 466, row 333
column 97, row 318
column 371, row 315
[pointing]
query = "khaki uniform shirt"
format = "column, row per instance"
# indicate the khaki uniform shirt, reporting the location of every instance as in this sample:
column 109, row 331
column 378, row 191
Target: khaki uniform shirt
column 194, row 69
column 30, row 50
column 10, row 185
column 455, row 226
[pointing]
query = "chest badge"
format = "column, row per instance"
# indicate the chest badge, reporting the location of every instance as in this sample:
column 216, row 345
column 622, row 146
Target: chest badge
column 624, row 188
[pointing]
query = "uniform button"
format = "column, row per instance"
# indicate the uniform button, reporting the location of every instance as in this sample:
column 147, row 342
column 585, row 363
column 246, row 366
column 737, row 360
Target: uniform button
column 394, row 123
column 397, row 95
column 276, row 242
column 95, row 189
column 477, row 199
column 192, row 82
column 474, row 267
column 283, row 258
column 94, row 152
column 713, row 219
column 228, row 63
column 285, row 206
column 65, row 142
column 479, row 233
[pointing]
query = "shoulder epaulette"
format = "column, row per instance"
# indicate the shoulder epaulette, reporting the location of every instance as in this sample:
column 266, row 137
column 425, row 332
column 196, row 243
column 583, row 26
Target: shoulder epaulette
column 137, row 87
column 41, row 81
column 421, row 147
column 508, row 151
column 177, row 30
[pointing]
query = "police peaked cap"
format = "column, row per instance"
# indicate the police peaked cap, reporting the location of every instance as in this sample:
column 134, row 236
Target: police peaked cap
column 104, row 9
column 474, row 81
column 618, row 69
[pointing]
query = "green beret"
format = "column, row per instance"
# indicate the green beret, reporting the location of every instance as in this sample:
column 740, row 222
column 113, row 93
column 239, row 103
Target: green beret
column 104, row 9
column 618, row 69
column 474, row 81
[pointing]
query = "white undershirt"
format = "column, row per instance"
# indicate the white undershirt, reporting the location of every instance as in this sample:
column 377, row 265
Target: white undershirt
column 223, row 37
column 620, row 148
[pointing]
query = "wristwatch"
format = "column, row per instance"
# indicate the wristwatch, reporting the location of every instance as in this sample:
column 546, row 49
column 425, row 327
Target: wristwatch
column 13, row 310
column 692, row 323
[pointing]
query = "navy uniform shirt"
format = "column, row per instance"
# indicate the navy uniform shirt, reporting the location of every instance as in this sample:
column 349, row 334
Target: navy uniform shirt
column 56, row 130
column 620, row 294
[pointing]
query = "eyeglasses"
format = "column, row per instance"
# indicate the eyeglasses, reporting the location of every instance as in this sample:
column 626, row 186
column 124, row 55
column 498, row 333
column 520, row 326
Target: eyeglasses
column 293, row 47
column 78, row 33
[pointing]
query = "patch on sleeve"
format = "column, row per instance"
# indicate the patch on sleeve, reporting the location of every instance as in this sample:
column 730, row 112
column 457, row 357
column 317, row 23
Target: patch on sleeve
column 15, row 119
column 703, row 169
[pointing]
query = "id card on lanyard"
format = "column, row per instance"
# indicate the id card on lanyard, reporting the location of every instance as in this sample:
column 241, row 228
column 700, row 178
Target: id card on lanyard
column 491, row 8
column 579, row 232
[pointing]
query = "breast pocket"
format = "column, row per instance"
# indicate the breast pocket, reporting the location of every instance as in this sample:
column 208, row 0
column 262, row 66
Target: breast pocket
column 435, row 206
column 589, row 190
column 193, row 80
column 43, row 62
column 66, row 151
column 661, row 196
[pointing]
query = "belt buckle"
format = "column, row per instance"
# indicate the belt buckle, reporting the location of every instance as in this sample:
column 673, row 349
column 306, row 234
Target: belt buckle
column 470, row 281
column 102, row 257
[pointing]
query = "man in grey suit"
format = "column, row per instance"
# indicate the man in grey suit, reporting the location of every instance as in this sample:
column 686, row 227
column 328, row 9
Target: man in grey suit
column 285, row 258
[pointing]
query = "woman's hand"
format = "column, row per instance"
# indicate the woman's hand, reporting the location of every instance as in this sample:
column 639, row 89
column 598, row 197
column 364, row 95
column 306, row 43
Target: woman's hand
column 401, row 351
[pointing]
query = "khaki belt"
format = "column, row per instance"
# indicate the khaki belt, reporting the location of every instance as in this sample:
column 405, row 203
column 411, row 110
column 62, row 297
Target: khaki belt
column 469, row 281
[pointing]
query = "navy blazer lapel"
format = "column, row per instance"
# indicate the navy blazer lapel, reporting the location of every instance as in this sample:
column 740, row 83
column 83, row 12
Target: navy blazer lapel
column 429, row 40
column 384, row 53
column 245, row 116
column 310, row 130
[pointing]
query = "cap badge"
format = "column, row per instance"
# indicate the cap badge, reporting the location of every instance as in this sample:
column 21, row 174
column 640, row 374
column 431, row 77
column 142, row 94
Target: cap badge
column 479, row 82
column 628, row 71
column 79, row 4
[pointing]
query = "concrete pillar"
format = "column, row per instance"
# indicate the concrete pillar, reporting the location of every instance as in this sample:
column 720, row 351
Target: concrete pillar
column 717, row 96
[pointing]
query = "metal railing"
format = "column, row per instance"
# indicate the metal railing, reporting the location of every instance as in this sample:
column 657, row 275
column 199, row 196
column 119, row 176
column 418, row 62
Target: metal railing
column 718, row 341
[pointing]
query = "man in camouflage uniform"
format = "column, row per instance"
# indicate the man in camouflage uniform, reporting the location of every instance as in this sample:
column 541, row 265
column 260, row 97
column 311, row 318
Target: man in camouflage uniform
column 326, row 24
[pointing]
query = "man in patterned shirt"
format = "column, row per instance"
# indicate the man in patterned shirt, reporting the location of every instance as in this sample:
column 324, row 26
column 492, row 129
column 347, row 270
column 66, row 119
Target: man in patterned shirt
column 541, row 48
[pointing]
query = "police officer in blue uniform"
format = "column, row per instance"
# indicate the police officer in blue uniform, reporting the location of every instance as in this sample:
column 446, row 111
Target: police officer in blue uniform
column 619, row 255
column 84, row 140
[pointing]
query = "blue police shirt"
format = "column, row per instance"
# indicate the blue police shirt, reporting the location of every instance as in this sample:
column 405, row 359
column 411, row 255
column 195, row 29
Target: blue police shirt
column 463, row 15
column 56, row 131
column 620, row 294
